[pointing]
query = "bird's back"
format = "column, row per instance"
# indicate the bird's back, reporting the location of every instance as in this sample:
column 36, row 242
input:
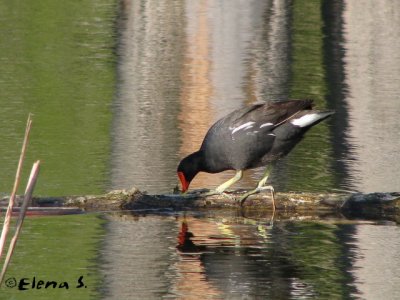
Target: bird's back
column 241, row 139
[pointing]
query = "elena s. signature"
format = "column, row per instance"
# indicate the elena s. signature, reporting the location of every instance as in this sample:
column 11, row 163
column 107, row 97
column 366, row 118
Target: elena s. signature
column 34, row 283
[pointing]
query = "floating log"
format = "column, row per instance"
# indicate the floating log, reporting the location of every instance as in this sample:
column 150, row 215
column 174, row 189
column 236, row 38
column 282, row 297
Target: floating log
column 51, row 211
column 349, row 203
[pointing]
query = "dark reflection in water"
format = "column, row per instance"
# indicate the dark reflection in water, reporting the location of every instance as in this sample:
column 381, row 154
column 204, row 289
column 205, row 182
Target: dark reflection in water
column 229, row 256
column 332, row 13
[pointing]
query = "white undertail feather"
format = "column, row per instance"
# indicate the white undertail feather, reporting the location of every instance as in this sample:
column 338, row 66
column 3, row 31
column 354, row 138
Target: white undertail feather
column 308, row 119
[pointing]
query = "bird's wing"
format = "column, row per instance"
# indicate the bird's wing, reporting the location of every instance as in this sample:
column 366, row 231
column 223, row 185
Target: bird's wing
column 241, row 115
column 265, row 113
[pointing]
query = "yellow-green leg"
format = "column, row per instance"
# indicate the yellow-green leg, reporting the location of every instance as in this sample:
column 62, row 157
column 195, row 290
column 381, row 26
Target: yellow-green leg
column 261, row 187
column 220, row 189
column 239, row 174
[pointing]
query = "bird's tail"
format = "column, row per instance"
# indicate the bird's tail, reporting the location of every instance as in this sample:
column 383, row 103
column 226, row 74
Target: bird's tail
column 310, row 118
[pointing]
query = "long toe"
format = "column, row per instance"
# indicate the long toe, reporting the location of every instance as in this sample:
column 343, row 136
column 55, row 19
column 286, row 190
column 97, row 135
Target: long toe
column 266, row 187
column 258, row 190
column 271, row 188
column 246, row 195
column 243, row 199
column 216, row 192
column 226, row 195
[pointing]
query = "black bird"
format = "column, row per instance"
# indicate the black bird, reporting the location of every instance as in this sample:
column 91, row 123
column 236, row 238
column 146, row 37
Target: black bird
column 251, row 137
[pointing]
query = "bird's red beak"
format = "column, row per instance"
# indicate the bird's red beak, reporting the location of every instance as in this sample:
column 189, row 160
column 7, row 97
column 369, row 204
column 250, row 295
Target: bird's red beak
column 184, row 182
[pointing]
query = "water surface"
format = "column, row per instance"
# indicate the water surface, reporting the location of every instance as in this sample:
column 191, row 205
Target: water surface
column 218, row 255
column 122, row 91
column 56, row 61
column 216, row 57
column 56, row 249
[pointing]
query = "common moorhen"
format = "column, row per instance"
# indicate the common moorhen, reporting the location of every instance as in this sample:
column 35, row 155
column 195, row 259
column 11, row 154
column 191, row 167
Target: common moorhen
column 251, row 137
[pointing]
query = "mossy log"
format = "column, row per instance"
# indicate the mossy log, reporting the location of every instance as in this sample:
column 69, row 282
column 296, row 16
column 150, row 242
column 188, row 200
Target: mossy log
column 350, row 203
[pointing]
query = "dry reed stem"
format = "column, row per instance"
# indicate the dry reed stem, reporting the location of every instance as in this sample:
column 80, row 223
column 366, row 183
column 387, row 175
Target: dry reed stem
column 27, row 199
column 7, row 219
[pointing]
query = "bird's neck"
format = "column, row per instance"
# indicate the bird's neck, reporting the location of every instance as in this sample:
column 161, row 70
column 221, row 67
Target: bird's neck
column 197, row 161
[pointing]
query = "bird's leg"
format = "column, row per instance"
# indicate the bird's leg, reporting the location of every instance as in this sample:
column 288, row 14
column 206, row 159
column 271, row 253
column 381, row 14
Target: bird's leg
column 264, row 179
column 260, row 187
column 220, row 190
column 239, row 174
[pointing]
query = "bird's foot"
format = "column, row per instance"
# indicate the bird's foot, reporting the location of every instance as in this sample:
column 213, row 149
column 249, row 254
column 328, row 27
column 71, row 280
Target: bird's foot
column 258, row 190
column 198, row 192
column 226, row 195
column 216, row 192
column 271, row 188
column 244, row 197
column 194, row 194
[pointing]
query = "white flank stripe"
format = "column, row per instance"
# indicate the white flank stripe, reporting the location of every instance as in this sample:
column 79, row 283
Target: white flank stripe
column 305, row 120
column 266, row 124
column 244, row 126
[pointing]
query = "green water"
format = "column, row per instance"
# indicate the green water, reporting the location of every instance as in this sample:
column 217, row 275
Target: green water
column 60, row 249
column 57, row 62
column 312, row 158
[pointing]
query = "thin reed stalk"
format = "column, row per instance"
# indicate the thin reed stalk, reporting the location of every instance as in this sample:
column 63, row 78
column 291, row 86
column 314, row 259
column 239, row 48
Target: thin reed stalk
column 7, row 219
column 27, row 199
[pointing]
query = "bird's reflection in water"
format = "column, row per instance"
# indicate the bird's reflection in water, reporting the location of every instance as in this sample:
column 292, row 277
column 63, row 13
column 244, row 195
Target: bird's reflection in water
column 218, row 234
column 185, row 244
column 224, row 255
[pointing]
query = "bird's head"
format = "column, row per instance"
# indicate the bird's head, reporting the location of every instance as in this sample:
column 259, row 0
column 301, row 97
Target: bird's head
column 188, row 169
